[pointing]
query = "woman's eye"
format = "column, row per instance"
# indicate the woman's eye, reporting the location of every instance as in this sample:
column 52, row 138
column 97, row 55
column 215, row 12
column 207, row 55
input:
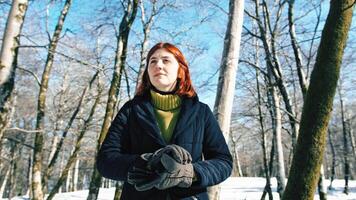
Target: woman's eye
column 166, row 60
column 153, row 61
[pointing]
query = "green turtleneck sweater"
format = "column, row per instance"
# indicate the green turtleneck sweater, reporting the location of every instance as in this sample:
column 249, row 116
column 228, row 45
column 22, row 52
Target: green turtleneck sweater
column 167, row 108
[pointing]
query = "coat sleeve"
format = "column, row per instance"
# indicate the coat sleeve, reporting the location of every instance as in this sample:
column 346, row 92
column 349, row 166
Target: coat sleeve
column 217, row 163
column 114, row 158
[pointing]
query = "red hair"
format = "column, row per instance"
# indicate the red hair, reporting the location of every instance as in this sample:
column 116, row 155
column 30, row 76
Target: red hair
column 184, row 87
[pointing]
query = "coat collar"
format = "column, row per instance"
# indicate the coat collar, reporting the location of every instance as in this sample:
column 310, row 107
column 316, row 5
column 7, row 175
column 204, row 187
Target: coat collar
column 144, row 111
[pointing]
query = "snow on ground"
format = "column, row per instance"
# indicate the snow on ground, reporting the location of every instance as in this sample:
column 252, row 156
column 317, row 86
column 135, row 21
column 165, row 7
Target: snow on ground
column 248, row 188
column 234, row 188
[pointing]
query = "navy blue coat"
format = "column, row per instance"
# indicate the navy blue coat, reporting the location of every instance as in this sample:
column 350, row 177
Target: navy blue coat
column 134, row 131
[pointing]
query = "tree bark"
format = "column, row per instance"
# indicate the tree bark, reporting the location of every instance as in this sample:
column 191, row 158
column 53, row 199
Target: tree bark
column 8, row 61
column 304, row 172
column 227, row 76
column 120, row 58
column 277, row 133
column 11, row 39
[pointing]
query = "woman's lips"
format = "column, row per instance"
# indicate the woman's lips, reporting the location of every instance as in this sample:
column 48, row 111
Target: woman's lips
column 159, row 74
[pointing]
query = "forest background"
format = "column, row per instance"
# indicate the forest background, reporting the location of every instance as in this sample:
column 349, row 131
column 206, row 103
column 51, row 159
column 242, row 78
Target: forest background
column 88, row 47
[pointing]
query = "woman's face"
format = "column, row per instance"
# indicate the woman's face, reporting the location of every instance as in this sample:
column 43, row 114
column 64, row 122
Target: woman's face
column 163, row 70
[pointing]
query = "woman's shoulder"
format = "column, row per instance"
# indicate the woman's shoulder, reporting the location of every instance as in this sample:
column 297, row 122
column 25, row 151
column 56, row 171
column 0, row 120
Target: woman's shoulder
column 199, row 106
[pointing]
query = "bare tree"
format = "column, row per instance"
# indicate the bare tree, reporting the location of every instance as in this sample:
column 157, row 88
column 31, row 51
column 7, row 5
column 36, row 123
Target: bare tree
column 73, row 156
column 120, row 58
column 41, row 105
column 268, row 36
column 54, row 158
column 267, row 189
column 345, row 141
column 333, row 154
column 147, row 25
column 227, row 75
column 318, row 103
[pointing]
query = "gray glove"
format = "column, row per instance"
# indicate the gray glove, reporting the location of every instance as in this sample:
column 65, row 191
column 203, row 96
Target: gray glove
column 176, row 174
column 143, row 179
column 148, row 171
column 178, row 153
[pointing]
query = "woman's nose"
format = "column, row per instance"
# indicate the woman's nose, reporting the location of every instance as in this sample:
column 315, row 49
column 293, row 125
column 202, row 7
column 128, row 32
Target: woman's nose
column 159, row 64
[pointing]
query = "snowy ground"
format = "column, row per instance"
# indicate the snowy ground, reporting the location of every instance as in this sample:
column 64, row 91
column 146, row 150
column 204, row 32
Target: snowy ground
column 247, row 188
column 234, row 188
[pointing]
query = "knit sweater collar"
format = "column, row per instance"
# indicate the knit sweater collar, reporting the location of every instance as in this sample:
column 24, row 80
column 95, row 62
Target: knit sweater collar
column 165, row 101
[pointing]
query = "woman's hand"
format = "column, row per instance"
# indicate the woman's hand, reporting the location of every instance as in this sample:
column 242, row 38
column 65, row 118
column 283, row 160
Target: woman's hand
column 176, row 174
column 167, row 167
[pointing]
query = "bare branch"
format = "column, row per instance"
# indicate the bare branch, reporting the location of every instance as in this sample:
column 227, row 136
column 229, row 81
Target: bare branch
column 217, row 6
column 33, row 74
column 24, row 130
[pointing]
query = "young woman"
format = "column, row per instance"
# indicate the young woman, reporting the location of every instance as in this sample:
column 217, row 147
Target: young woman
column 165, row 143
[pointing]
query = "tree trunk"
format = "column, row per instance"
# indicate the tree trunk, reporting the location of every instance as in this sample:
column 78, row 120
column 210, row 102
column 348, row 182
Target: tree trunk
column 227, row 76
column 345, row 142
column 8, row 61
column 267, row 189
column 303, row 84
column 41, row 105
column 12, row 169
column 236, row 160
column 120, row 58
column 351, row 135
column 296, row 50
column 29, row 176
column 4, row 182
column 68, row 179
column 15, row 157
column 75, row 175
column 333, row 165
column 11, row 38
column 277, row 132
column 304, row 172
column 321, row 185
column 270, row 167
